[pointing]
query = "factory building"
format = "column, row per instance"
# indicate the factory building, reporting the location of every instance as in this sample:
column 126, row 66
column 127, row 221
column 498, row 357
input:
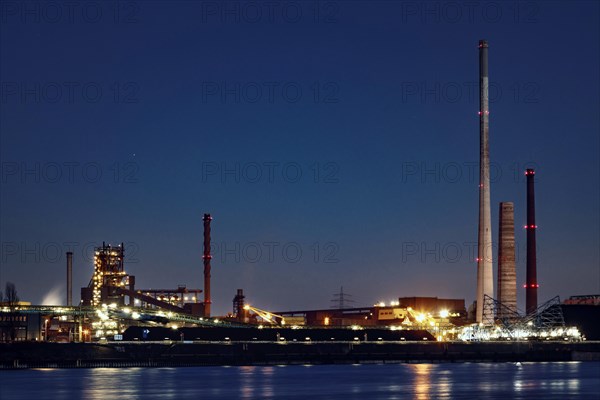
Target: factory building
column 15, row 326
column 434, row 305
column 406, row 311
column 109, row 275
column 584, row 312
column 111, row 284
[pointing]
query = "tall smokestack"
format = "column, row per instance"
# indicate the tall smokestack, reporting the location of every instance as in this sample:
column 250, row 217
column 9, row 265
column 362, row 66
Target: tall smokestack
column 69, row 278
column 206, row 257
column 507, row 275
column 531, row 285
column 485, row 280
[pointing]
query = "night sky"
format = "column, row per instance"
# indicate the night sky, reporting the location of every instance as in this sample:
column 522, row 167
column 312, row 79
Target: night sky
column 334, row 143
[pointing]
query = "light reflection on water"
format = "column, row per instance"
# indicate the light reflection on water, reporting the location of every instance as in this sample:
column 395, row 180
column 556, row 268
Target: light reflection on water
column 422, row 379
column 398, row 381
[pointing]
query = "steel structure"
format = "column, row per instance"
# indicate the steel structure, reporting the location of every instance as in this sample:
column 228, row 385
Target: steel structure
column 177, row 297
column 239, row 310
column 548, row 315
column 109, row 273
column 121, row 313
column 267, row 316
column 341, row 300
column 546, row 322
column 165, row 304
column 110, row 283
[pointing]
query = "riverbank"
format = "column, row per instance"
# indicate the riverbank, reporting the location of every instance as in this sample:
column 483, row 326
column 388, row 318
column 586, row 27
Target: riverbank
column 175, row 354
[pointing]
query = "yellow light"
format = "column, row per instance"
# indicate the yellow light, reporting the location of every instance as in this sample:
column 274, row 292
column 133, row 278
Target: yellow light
column 246, row 307
column 326, row 321
column 420, row 317
column 444, row 313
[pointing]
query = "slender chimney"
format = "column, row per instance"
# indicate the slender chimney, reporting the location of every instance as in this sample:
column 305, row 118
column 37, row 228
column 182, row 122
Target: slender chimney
column 485, row 279
column 206, row 258
column 507, row 276
column 69, row 278
column 531, row 285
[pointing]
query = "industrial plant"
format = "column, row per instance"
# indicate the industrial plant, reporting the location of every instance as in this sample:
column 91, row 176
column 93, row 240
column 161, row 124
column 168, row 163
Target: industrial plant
column 113, row 308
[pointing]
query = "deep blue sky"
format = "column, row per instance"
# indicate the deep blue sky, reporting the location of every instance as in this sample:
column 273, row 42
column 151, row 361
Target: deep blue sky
column 394, row 121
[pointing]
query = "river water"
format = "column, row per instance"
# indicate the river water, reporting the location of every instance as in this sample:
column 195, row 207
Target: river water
column 557, row 380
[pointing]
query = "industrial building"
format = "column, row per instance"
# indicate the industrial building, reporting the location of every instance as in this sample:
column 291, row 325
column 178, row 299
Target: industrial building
column 111, row 304
column 111, row 284
column 407, row 311
column 16, row 327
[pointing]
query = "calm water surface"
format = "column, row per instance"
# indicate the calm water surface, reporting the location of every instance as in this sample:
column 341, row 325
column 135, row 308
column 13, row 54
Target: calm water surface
column 567, row 380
